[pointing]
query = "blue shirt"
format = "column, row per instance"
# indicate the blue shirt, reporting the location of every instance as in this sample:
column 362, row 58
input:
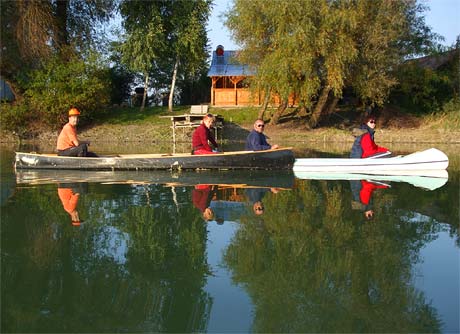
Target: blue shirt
column 257, row 142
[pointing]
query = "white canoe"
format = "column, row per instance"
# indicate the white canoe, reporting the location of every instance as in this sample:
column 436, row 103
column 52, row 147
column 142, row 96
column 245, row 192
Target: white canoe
column 431, row 159
column 429, row 179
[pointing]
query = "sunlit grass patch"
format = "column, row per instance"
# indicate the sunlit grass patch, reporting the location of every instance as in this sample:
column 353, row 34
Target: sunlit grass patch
column 447, row 118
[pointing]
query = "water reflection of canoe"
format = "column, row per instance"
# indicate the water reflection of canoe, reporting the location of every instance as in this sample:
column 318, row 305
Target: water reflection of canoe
column 270, row 159
column 431, row 159
column 250, row 178
column 431, row 179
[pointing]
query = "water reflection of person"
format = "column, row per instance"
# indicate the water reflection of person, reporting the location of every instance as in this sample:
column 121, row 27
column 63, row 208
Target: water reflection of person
column 202, row 195
column 362, row 195
column 255, row 196
column 69, row 199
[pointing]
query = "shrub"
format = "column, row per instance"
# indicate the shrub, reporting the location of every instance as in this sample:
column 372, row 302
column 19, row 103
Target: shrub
column 423, row 89
column 16, row 117
column 59, row 85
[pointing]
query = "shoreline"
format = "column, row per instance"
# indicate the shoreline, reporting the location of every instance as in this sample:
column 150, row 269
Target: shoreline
column 234, row 133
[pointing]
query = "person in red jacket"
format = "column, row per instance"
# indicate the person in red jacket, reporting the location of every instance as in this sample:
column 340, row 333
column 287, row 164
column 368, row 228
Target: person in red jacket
column 202, row 196
column 202, row 136
column 364, row 145
column 362, row 195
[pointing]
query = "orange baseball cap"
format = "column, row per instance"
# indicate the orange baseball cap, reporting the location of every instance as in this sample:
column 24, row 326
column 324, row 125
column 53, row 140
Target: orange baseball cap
column 74, row 112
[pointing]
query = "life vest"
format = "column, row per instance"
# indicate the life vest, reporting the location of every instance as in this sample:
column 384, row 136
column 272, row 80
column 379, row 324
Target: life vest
column 356, row 149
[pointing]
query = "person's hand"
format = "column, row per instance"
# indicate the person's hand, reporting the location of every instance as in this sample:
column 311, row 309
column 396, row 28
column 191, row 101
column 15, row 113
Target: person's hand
column 369, row 214
column 275, row 146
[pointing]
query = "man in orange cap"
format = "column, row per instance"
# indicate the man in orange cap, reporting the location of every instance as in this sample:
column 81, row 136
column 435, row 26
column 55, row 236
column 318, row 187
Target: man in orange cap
column 68, row 143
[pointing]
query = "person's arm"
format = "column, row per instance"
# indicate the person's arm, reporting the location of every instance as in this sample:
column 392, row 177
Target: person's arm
column 367, row 189
column 72, row 133
column 211, row 139
column 203, row 135
column 266, row 144
column 369, row 147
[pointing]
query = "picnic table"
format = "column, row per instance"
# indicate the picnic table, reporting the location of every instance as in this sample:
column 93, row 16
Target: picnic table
column 192, row 121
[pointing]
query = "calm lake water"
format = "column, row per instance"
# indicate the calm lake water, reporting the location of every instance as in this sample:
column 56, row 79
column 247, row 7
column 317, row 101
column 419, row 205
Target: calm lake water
column 143, row 259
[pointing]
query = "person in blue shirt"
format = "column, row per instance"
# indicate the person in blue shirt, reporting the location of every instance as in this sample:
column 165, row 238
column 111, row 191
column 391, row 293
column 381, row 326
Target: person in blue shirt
column 256, row 140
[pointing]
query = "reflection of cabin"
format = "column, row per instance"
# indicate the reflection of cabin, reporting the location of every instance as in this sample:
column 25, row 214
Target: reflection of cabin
column 229, row 87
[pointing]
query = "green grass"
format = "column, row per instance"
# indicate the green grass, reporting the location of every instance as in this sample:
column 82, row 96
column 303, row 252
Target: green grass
column 154, row 115
column 447, row 118
column 133, row 115
column 243, row 115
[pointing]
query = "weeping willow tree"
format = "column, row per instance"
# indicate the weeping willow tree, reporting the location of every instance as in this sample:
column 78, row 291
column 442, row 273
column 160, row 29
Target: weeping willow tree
column 311, row 50
column 32, row 30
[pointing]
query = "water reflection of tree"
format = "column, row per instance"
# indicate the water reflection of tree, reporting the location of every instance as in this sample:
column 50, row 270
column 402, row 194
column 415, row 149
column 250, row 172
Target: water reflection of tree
column 318, row 267
column 80, row 284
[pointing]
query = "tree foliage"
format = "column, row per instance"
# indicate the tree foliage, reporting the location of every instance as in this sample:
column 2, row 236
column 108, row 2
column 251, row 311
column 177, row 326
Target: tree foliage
column 54, row 89
column 312, row 50
column 424, row 88
column 312, row 265
column 142, row 42
column 32, row 30
column 165, row 40
column 46, row 58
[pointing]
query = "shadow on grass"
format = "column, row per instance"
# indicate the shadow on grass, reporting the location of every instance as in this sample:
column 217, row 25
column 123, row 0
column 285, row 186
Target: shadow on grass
column 234, row 133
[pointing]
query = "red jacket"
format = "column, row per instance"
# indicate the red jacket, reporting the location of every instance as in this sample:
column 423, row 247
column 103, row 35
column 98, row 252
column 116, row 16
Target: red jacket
column 200, row 138
column 200, row 197
column 369, row 147
column 367, row 189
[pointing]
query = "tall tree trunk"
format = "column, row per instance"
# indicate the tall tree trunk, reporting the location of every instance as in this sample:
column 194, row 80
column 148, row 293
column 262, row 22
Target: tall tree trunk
column 144, row 97
column 317, row 112
column 263, row 108
column 331, row 106
column 276, row 116
column 173, row 84
column 62, row 37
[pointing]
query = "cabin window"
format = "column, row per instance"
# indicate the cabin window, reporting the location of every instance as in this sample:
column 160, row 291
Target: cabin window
column 224, row 82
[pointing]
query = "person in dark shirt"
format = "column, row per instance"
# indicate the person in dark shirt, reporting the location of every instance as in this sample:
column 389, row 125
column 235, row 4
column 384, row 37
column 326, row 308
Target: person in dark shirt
column 256, row 140
column 255, row 196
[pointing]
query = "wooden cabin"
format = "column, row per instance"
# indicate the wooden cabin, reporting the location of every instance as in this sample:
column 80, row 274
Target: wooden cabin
column 229, row 87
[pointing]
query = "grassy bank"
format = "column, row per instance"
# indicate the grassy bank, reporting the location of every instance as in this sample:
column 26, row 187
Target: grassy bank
column 151, row 125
